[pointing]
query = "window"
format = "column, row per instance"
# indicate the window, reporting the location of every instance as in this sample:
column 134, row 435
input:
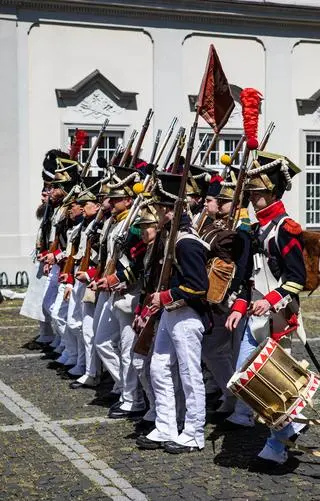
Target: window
column 313, row 181
column 106, row 148
column 225, row 144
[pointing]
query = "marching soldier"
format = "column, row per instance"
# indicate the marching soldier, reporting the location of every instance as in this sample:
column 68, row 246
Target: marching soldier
column 114, row 336
column 230, row 254
column 279, row 275
column 179, row 335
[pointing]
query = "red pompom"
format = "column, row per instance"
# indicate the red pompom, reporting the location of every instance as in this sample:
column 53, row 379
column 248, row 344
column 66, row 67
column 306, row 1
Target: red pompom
column 250, row 101
column 252, row 143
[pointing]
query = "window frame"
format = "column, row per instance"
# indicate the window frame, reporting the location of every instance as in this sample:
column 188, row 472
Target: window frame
column 125, row 130
column 308, row 169
column 226, row 134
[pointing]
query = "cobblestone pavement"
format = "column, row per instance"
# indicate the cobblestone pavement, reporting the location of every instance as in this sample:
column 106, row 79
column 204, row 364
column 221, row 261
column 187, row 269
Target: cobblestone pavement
column 57, row 444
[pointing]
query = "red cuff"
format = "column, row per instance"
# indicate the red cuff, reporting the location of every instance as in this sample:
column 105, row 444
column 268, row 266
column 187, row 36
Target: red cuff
column 138, row 309
column 165, row 297
column 240, row 305
column 91, row 272
column 145, row 312
column 57, row 253
column 273, row 297
column 43, row 253
column 70, row 279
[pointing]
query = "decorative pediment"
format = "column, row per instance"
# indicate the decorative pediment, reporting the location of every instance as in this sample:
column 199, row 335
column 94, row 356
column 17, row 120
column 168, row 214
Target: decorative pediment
column 310, row 105
column 96, row 85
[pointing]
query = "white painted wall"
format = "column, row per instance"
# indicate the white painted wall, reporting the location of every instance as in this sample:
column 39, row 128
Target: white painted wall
column 164, row 65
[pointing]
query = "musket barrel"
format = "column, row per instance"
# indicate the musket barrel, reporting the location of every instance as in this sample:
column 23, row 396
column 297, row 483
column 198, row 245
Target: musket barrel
column 141, row 138
column 173, row 147
column 209, row 149
column 238, row 148
column 166, row 140
column 204, row 139
column 94, row 148
column 155, row 146
column 127, row 150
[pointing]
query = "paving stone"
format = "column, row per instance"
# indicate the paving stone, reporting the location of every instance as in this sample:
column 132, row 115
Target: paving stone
column 35, row 472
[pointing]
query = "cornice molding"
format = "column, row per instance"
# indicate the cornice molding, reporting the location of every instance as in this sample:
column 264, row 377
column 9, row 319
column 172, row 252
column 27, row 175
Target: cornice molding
column 96, row 80
column 204, row 11
column 310, row 105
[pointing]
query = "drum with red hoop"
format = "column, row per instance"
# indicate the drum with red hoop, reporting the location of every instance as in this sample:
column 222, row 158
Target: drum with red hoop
column 275, row 385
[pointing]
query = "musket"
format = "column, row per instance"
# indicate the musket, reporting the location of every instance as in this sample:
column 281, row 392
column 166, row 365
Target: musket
column 173, row 147
column 166, row 140
column 127, row 149
column 180, row 146
column 141, row 138
column 238, row 189
column 238, row 148
column 94, row 148
column 238, row 192
column 143, row 343
column 116, row 153
column 204, row 139
column 42, row 242
column 209, row 149
column 155, row 146
column 266, row 136
column 122, row 235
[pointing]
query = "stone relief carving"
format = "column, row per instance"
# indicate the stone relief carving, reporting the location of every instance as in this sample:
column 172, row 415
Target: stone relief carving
column 97, row 104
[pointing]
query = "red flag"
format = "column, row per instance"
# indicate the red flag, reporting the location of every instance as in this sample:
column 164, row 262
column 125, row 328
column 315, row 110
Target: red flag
column 215, row 102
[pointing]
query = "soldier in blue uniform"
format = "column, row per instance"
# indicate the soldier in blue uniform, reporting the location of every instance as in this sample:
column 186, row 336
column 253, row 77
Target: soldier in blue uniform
column 279, row 275
column 179, row 335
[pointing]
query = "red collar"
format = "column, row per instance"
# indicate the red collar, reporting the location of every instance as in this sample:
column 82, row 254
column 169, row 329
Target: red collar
column 269, row 213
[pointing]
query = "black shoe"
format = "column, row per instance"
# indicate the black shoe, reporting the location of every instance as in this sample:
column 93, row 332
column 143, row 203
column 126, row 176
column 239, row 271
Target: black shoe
column 75, row 385
column 175, row 448
column 50, row 356
column 145, row 443
column 144, row 427
column 118, row 413
column 66, row 375
column 54, row 365
column 218, row 417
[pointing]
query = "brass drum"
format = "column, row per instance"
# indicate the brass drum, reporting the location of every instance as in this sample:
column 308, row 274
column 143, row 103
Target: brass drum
column 274, row 384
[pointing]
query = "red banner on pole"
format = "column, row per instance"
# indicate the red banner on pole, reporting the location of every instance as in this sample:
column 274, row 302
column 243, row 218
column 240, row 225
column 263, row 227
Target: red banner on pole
column 215, row 102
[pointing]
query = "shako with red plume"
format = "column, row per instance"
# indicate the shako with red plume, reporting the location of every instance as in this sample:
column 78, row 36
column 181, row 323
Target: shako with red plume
column 250, row 100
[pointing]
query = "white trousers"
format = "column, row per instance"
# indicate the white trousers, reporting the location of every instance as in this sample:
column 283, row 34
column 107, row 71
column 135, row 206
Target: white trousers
column 142, row 365
column 88, row 339
column 32, row 303
column 60, row 311
column 51, row 291
column 74, row 321
column 179, row 338
column 114, row 339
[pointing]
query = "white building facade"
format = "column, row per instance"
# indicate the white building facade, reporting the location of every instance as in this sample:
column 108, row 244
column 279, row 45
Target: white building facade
column 68, row 64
